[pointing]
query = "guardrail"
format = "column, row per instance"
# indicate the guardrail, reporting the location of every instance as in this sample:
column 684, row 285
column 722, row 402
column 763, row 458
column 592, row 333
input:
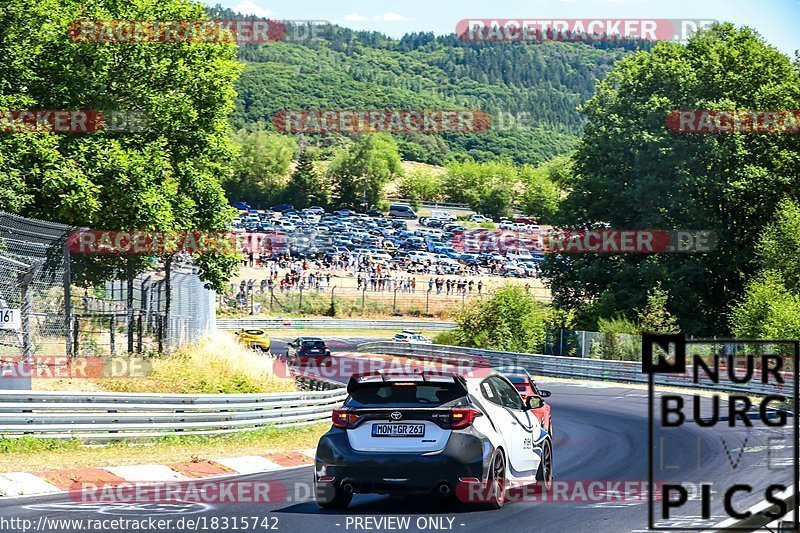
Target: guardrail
column 106, row 416
column 331, row 323
column 554, row 366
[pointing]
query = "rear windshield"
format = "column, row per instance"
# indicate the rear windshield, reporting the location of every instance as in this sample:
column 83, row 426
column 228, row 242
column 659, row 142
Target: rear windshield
column 429, row 394
column 313, row 344
column 254, row 331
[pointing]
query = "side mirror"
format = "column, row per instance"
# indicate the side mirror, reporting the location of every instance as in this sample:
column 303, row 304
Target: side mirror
column 533, row 402
column 545, row 393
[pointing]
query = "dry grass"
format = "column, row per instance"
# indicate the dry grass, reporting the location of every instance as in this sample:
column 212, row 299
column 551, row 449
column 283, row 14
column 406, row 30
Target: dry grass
column 216, row 366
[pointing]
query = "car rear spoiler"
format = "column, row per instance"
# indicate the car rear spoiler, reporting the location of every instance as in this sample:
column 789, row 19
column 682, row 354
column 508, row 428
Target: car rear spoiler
column 357, row 380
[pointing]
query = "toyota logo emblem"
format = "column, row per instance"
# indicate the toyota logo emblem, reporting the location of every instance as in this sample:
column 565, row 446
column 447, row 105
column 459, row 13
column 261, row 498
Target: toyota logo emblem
column 396, row 415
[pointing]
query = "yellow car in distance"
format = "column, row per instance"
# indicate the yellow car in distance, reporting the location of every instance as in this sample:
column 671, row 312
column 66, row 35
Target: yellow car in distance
column 254, row 338
column 389, row 247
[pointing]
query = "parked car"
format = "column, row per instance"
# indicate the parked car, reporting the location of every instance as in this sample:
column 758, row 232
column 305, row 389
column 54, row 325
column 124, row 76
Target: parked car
column 374, row 213
column 254, row 338
column 282, row 208
column 443, row 215
column 402, row 211
column 400, row 432
column 480, row 219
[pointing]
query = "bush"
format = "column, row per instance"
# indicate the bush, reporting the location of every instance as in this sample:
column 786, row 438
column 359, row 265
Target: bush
column 510, row 320
column 448, row 338
column 767, row 310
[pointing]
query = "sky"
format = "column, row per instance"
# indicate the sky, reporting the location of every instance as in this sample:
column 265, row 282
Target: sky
column 776, row 20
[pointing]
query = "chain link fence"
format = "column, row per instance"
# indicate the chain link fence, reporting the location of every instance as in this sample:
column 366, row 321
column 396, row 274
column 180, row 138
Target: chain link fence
column 593, row 344
column 44, row 313
column 254, row 298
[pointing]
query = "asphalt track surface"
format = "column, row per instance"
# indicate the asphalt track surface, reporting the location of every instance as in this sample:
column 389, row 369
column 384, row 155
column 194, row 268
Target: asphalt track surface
column 601, row 433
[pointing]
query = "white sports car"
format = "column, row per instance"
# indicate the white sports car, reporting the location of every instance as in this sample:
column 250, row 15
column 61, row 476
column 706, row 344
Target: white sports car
column 431, row 433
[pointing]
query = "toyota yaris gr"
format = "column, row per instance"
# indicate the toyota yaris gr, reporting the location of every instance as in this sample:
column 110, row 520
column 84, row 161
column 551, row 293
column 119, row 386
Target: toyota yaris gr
column 430, row 433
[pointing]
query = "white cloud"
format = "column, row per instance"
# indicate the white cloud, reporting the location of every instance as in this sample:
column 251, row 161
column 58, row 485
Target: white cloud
column 354, row 17
column 249, row 8
column 391, row 17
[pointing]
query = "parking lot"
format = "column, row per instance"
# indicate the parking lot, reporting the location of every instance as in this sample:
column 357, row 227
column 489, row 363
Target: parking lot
column 416, row 264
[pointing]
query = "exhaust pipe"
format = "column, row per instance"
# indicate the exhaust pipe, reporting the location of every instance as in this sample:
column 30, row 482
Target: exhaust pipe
column 347, row 488
column 444, row 489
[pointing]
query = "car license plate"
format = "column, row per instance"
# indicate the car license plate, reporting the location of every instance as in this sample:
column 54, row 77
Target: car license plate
column 398, row 430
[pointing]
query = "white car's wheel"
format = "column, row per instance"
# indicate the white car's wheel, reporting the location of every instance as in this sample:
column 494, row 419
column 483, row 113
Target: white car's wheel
column 496, row 493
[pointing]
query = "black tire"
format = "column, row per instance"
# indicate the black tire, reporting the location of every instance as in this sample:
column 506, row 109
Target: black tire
column 544, row 476
column 338, row 500
column 496, row 486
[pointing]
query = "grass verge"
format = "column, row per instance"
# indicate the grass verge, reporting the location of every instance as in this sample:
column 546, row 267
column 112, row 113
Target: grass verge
column 28, row 454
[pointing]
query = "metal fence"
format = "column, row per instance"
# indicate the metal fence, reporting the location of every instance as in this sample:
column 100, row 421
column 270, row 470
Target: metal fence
column 331, row 323
column 43, row 311
column 594, row 344
column 98, row 417
column 255, row 297
column 558, row 366
column 191, row 316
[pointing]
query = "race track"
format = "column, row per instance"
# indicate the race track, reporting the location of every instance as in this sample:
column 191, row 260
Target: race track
column 601, row 433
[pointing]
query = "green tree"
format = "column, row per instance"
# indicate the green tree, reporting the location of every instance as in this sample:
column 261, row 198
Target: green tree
column 631, row 171
column 359, row 172
column 421, row 184
column 261, row 167
column 495, row 198
column 165, row 176
column 306, row 187
column 511, row 319
column 541, row 196
column 488, row 187
column 768, row 309
column 779, row 247
column 655, row 317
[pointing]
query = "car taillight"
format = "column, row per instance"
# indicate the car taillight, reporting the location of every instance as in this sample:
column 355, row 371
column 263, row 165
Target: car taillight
column 325, row 348
column 342, row 418
column 461, row 418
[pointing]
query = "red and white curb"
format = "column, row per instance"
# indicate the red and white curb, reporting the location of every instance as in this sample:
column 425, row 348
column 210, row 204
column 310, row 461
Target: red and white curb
column 18, row 484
